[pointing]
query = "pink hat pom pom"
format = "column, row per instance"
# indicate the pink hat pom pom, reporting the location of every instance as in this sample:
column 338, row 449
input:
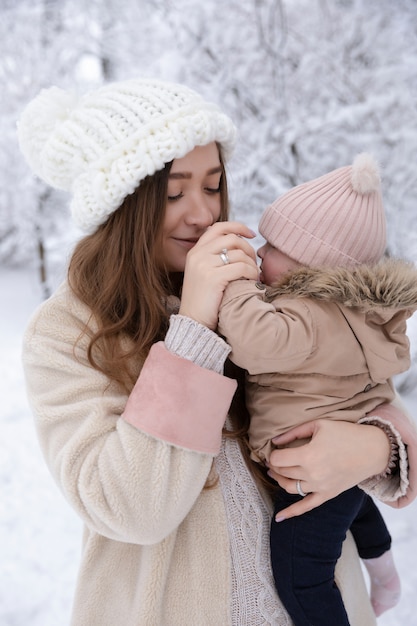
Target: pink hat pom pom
column 365, row 174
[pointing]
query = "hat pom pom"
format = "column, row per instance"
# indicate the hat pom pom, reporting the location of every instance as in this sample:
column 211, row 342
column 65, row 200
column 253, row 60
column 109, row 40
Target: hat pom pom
column 38, row 122
column 365, row 174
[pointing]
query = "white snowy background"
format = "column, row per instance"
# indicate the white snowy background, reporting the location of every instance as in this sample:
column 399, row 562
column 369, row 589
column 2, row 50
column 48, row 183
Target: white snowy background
column 309, row 83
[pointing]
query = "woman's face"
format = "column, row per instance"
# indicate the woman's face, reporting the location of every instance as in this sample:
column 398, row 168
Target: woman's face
column 193, row 203
column 274, row 263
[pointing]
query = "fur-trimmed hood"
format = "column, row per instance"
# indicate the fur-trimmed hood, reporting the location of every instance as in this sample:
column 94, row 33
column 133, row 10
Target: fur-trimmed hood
column 375, row 301
column 391, row 284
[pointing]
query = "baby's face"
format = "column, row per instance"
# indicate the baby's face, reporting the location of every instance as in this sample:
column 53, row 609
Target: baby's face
column 274, row 263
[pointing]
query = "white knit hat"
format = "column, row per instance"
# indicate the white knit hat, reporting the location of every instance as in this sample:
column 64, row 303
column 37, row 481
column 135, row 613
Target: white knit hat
column 101, row 145
column 337, row 219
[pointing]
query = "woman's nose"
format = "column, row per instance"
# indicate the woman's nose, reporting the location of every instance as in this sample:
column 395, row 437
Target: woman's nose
column 201, row 213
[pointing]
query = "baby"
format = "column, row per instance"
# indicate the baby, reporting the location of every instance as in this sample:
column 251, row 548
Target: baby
column 322, row 341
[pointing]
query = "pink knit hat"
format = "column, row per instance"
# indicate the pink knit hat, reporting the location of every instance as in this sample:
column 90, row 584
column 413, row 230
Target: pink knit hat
column 337, row 219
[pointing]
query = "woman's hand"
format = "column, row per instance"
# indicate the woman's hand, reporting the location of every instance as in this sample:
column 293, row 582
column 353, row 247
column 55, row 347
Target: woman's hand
column 339, row 456
column 207, row 275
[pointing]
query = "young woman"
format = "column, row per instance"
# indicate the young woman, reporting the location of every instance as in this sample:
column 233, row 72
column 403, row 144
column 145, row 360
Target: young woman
column 125, row 372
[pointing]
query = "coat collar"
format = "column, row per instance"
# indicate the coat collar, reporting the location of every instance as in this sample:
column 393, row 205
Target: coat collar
column 390, row 284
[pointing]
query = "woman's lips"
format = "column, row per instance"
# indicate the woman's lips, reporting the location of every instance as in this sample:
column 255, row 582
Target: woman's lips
column 186, row 243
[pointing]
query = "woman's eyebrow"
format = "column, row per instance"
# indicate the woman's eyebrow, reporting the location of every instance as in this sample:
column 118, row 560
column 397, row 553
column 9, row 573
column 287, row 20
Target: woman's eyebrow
column 179, row 175
column 182, row 175
column 215, row 170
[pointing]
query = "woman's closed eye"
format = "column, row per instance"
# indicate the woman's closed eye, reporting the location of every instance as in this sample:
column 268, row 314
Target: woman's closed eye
column 209, row 190
column 178, row 196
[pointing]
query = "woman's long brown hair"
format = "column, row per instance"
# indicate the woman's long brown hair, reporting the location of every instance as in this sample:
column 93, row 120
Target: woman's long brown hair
column 115, row 272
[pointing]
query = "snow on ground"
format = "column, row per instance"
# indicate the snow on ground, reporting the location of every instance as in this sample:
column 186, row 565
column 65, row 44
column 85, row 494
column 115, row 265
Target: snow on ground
column 40, row 536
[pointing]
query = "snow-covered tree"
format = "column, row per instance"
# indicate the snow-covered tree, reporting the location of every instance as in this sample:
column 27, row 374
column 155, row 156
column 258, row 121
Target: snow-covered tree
column 309, row 83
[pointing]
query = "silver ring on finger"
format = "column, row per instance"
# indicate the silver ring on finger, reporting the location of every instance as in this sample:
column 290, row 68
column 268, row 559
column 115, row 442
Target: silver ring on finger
column 224, row 256
column 299, row 489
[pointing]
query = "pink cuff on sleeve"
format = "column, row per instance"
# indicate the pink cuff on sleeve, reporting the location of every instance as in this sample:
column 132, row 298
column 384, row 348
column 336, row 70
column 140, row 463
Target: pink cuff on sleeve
column 179, row 402
column 408, row 432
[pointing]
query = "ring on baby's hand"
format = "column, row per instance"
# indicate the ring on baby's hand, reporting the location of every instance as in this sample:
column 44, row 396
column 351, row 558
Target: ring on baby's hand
column 299, row 489
column 224, row 257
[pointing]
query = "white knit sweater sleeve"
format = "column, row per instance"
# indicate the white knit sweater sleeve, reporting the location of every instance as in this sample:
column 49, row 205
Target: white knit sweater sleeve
column 191, row 340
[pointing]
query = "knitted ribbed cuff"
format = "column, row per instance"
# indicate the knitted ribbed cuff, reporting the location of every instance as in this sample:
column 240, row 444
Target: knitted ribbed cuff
column 190, row 340
column 394, row 440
